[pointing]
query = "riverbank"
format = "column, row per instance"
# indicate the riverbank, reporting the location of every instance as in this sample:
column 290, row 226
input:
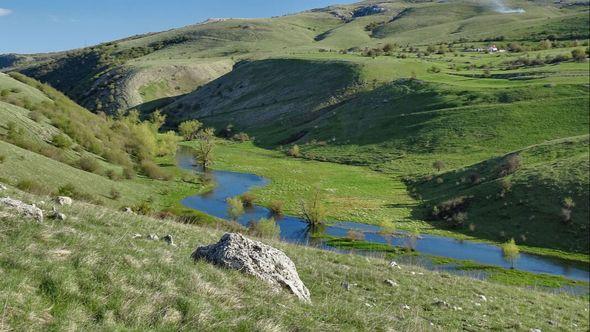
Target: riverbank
column 293, row 229
column 352, row 193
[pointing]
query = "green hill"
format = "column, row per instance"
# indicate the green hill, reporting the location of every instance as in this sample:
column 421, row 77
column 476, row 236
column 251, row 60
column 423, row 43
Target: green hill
column 49, row 144
column 89, row 272
column 542, row 201
column 131, row 72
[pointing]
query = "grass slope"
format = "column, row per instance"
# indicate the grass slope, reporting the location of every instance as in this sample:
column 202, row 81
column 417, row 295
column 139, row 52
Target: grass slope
column 88, row 273
column 23, row 165
column 529, row 208
column 106, row 76
column 38, row 161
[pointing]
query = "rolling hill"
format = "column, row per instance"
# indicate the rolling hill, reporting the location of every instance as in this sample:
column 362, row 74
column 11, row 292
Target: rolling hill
column 130, row 72
column 393, row 86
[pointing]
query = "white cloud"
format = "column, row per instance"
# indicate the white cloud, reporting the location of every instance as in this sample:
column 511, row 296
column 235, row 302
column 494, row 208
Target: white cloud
column 5, row 12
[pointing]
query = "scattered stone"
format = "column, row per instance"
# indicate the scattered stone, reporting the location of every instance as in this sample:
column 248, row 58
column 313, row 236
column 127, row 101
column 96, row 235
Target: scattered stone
column 137, row 236
column 394, row 264
column 56, row 215
column 535, row 330
column 63, row 200
column 441, row 303
column 3, row 187
column 406, row 307
column 457, row 308
column 477, row 304
column 255, row 258
column 127, row 210
column 27, row 210
column 391, row 283
column 168, row 239
column 153, row 237
column 346, row 286
column 482, row 297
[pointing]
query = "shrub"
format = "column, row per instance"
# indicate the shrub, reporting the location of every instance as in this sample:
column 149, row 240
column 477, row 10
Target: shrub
column 313, row 210
column 115, row 194
column 248, row 199
column 568, row 205
column 167, row 144
column 434, row 70
column 449, row 209
column 515, row 47
column 2, row 158
column 89, row 164
column 510, row 251
column 235, row 208
column 113, row 175
column 355, row 235
column 67, row 190
column 438, row 165
column 458, row 219
column 61, row 141
column 144, row 208
column 128, row 173
column 276, row 208
column 294, row 151
column 33, row 187
column 153, row 171
column 241, row 137
column 35, row 116
column 475, row 178
column 578, row 55
column 71, row 191
column 227, row 131
column 189, row 129
column 511, row 164
column 118, row 157
column 506, row 185
column 266, row 228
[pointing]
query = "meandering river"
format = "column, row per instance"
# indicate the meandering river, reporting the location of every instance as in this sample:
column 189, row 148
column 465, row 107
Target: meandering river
column 294, row 229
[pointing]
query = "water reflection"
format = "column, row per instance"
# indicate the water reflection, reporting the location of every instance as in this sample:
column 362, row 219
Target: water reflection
column 293, row 229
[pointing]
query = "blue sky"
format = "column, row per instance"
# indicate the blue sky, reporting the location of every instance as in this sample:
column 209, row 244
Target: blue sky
column 32, row 26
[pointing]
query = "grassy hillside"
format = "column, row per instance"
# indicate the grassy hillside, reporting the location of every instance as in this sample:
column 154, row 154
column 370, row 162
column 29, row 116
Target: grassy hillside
column 89, row 273
column 112, row 76
column 269, row 93
column 48, row 144
column 530, row 203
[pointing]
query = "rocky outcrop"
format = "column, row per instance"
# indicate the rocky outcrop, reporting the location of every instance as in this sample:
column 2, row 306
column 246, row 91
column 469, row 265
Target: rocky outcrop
column 269, row 264
column 368, row 10
column 63, row 200
column 30, row 211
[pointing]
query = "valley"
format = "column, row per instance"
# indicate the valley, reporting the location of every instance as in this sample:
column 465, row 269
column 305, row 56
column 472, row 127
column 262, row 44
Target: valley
column 451, row 137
